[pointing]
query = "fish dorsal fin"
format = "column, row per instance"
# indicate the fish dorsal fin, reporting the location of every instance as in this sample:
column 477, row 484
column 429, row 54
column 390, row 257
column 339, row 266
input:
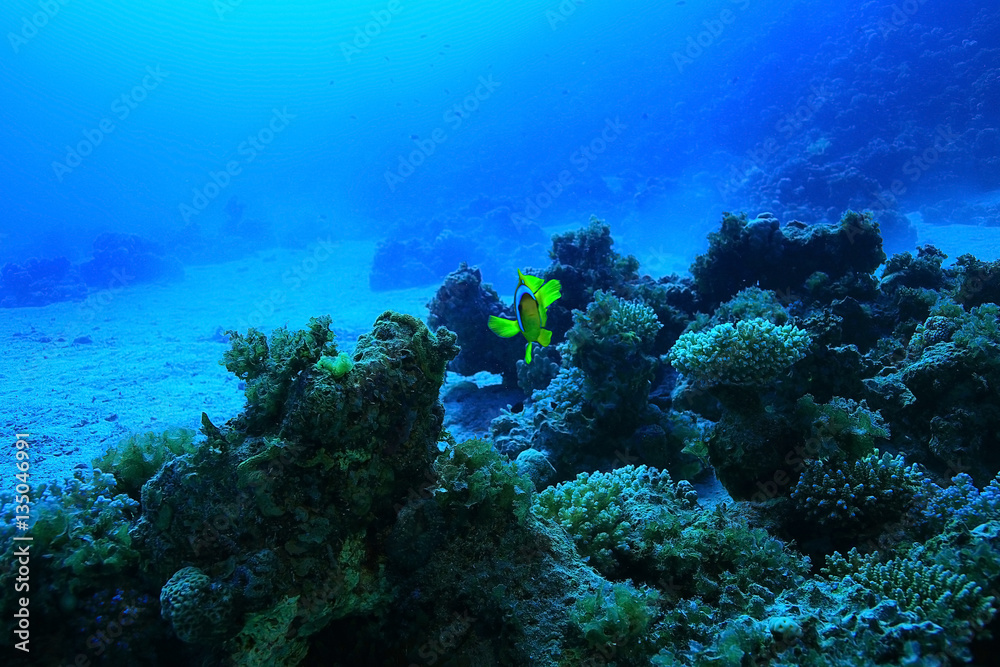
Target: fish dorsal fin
column 532, row 282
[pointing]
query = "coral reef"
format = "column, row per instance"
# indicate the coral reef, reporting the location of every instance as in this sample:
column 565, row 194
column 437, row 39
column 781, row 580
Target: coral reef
column 762, row 253
column 122, row 259
column 335, row 521
column 750, row 352
column 137, row 458
column 463, row 304
column 37, row 282
column 483, row 234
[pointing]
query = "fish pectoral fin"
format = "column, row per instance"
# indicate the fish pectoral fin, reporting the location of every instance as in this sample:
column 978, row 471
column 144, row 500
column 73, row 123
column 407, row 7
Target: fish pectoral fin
column 544, row 337
column 527, row 353
column 548, row 293
column 503, row 327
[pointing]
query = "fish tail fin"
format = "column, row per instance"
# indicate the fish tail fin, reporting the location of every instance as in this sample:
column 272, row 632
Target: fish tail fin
column 527, row 353
column 548, row 293
column 503, row 327
column 544, row 337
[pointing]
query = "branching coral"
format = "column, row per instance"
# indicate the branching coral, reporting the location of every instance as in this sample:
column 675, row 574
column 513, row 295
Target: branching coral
column 860, row 496
column 749, row 352
column 599, row 510
column 936, row 594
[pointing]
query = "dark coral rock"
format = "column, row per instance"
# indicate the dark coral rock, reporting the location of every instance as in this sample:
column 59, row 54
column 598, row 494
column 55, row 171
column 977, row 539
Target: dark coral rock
column 37, row 282
column 122, row 259
column 978, row 281
column 464, row 304
column 584, row 262
column 923, row 272
column 301, row 508
column 760, row 252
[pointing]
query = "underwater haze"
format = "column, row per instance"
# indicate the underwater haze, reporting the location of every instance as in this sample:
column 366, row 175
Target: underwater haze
column 541, row 332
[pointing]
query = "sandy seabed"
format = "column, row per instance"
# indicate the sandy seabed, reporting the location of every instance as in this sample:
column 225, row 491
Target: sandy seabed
column 80, row 376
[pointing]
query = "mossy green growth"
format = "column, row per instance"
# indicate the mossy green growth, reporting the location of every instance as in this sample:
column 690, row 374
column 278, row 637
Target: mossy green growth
column 842, row 427
column 264, row 640
column 268, row 365
column 751, row 303
column 81, row 532
column 473, row 475
column 616, row 619
column 137, row 458
column 337, row 366
column 979, row 333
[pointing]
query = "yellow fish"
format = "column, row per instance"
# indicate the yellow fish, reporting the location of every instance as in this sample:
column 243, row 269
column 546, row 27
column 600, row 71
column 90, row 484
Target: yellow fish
column 531, row 298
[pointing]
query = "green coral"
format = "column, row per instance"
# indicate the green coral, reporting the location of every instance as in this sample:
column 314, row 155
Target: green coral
column 137, row 458
column 473, row 475
column 266, row 639
column 750, row 352
column 979, row 334
column 198, row 609
column 842, row 427
column 268, row 365
column 599, row 509
column 752, row 303
column 611, row 321
column 337, row 366
column 83, row 524
column 615, row 620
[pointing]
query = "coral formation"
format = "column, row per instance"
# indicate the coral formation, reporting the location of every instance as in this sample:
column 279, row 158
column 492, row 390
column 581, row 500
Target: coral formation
column 137, row 458
column 750, row 352
column 335, row 519
column 463, row 304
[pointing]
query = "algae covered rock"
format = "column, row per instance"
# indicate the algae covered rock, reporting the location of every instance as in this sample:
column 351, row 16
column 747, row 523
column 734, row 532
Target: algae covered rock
column 290, row 500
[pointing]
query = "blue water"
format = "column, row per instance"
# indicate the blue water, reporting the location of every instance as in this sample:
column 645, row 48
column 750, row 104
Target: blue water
column 164, row 97
column 213, row 147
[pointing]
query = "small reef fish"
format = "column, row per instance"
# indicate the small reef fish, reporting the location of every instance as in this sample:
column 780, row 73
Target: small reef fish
column 531, row 299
